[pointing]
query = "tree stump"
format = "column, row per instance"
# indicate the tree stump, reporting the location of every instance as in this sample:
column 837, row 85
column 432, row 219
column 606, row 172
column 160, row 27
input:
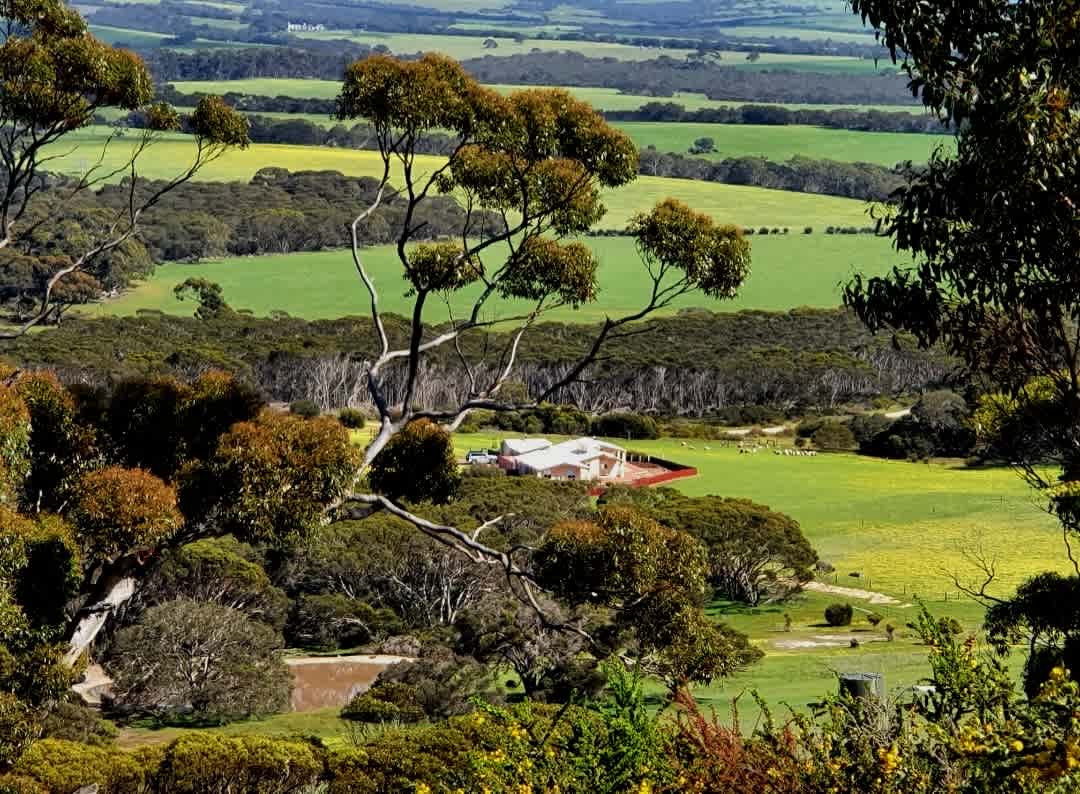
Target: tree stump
column 862, row 686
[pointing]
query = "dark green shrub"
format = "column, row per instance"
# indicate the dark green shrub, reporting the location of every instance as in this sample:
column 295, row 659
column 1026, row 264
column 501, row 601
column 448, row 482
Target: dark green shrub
column 332, row 620
column 834, row 437
column 808, row 427
column 866, row 427
column 389, row 702
column 305, row 408
column 77, row 723
column 625, row 425
column 352, row 418
column 18, row 724
column 838, row 614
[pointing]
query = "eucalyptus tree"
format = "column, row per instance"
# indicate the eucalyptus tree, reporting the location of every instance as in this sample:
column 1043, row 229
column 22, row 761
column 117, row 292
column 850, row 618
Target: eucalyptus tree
column 539, row 160
column 54, row 77
column 993, row 234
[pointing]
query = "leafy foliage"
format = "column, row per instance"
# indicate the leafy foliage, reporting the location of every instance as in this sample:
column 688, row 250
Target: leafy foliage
column 753, row 552
column 993, row 231
column 352, row 418
column 271, row 477
column 838, row 614
column 417, row 465
column 216, row 570
column 208, row 294
column 834, row 437
column 118, row 510
column 709, row 257
column 200, row 660
column 654, row 578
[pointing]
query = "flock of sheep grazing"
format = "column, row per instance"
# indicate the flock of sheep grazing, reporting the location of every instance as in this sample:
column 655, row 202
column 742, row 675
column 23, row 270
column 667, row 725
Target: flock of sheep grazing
column 791, row 453
column 745, row 450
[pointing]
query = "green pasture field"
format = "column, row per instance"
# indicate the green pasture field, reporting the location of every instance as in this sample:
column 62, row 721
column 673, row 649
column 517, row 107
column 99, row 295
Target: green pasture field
column 599, row 98
column 614, row 99
column 236, row 8
column 265, row 86
column 464, row 47
column 458, row 5
column 145, row 39
column 135, row 38
column 781, row 143
column 903, row 526
column 805, row 33
column 747, row 206
column 787, row 272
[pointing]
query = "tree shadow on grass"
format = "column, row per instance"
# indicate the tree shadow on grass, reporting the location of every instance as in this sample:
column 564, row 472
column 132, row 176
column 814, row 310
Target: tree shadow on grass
column 728, row 608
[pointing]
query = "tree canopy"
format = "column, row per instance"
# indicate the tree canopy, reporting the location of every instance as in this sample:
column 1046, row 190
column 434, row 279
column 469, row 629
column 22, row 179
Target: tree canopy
column 55, row 77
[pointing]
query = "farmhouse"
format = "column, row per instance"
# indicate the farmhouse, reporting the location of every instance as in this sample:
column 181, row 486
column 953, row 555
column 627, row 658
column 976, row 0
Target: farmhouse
column 578, row 459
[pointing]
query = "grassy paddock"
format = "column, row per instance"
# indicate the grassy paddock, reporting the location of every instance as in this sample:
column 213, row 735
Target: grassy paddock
column 747, row 206
column 464, row 47
column 795, row 270
column 135, row 38
column 784, row 142
column 600, row 98
column 265, row 86
column 903, row 526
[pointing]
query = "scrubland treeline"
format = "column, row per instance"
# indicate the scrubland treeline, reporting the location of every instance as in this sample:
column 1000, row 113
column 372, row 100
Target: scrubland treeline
column 799, row 358
column 661, row 77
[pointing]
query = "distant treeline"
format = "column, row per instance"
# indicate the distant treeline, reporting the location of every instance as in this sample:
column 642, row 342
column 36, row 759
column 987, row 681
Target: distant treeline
column 866, row 181
column 631, row 26
column 315, row 62
column 696, row 363
column 661, row 77
column 778, row 115
column 280, row 211
column 276, row 212
column 772, row 115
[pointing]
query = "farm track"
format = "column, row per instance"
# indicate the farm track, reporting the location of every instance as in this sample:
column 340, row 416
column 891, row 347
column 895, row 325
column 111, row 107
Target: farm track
column 854, row 592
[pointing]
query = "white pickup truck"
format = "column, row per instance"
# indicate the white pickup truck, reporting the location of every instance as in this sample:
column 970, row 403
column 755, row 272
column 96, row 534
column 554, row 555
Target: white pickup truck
column 480, row 457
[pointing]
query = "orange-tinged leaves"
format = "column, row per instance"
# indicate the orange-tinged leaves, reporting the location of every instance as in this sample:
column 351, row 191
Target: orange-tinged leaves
column 271, row 477
column 118, row 510
column 14, row 444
